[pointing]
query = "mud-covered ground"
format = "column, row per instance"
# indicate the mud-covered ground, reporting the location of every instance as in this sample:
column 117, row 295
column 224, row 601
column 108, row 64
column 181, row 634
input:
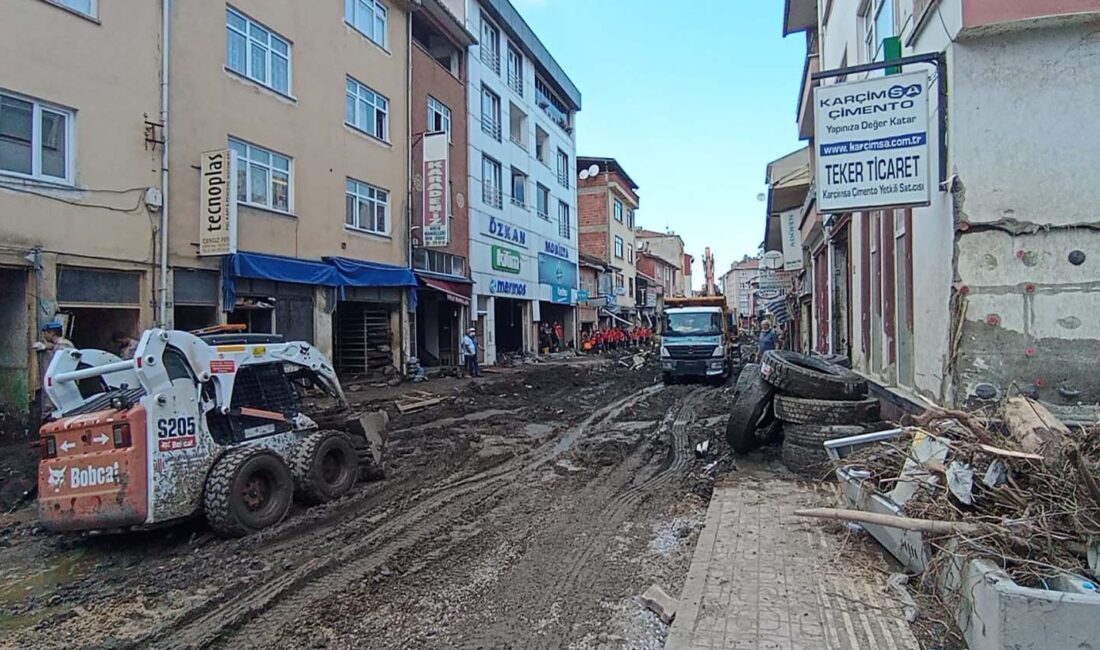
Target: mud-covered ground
column 528, row 510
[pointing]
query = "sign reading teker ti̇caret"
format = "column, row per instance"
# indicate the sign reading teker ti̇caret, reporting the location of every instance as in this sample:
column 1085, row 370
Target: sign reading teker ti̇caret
column 872, row 143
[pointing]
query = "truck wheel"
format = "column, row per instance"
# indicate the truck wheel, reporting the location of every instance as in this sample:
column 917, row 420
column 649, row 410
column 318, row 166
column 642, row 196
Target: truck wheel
column 668, row 378
column 811, row 377
column 798, row 410
column 326, row 467
column 750, row 406
column 248, row 490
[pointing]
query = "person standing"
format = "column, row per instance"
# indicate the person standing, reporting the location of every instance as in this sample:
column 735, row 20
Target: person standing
column 559, row 336
column 769, row 338
column 469, row 352
column 52, row 338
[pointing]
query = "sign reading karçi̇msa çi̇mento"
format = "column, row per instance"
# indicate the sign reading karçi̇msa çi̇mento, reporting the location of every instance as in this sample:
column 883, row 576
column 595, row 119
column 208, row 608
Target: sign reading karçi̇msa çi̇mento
column 872, row 143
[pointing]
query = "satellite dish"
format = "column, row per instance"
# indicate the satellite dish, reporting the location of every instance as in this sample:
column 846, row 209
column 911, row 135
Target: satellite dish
column 584, row 174
column 760, row 196
column 594, row 170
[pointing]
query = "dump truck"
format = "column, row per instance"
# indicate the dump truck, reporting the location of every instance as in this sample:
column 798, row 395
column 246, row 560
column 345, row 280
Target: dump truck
column 213, row 426
column 698, row 339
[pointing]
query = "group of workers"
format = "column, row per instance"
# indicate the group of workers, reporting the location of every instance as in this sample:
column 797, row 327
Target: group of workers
column 53, row 339
column 615, row 338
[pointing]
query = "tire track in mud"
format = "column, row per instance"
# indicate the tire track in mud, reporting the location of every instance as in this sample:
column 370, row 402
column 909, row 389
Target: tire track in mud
column 620, row 506
column 261, row 611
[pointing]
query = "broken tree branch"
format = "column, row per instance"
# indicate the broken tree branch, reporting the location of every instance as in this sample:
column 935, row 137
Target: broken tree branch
column 934, row 526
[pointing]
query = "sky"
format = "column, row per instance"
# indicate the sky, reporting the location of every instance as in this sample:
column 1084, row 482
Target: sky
column 692, row 97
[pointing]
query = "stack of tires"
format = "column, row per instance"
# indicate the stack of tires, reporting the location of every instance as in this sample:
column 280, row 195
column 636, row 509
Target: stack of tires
column 803, row 400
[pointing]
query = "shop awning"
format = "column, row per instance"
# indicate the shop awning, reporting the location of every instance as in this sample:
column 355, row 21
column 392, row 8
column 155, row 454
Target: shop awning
column 456, row 292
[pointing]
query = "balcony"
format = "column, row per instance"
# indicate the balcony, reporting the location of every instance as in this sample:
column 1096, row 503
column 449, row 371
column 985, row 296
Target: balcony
column 492, row 195
column 491, row 126
column 491, row 59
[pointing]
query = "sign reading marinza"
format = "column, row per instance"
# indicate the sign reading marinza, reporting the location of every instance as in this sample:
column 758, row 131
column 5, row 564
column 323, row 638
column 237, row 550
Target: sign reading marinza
column 218, row 203
column 437, row 195
column 872, row 143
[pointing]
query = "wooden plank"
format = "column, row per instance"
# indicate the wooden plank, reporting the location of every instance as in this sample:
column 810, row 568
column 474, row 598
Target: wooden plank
column 411, row 407
column 1033, row 426
column 997, row 451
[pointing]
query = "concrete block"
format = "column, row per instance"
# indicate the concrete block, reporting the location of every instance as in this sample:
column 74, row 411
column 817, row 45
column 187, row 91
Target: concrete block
column 660, row 603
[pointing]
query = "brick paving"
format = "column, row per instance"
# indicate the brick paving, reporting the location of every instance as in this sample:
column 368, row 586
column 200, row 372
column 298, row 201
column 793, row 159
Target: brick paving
column 763, row 579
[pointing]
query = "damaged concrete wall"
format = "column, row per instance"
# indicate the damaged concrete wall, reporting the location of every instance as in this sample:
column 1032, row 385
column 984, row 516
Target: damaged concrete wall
column 1025, row 148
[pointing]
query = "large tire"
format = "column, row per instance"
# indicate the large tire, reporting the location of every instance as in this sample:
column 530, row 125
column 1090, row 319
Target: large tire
column 804, row 461
column 750, row 405
column 799, row 410
column 326, row 467
column 810, row 377
column 248, row 490
column 815, row 436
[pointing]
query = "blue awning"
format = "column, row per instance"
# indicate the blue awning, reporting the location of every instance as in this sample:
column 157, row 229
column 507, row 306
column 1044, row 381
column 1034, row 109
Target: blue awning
column 339, row 272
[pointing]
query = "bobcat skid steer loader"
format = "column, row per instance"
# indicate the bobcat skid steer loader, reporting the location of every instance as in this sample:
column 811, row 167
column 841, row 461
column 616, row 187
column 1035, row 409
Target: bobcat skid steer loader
column 209, row 426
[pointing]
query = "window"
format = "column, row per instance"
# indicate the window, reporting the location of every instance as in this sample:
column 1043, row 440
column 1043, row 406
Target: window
column 490, row 113
column 490, row 44
column 519, row 188
column 263, row 177
column 517, row 126
column 618, row 247
column 35, row 139
column 256, row 52
column 548, row 101
column 542, row 146
column 439, row 262
column 366, row 110
column 618, row 210
column 439, row 117
column 515, row 70
column 86, row 7
column 630, row 282
column 542, row 201
column 565, row 228
column 491, row 182
column 618, row 280
column 630, row 252
column 563, row 168
column 630, row 218
column 878, row 25
column 367, row 208
column 368, row 17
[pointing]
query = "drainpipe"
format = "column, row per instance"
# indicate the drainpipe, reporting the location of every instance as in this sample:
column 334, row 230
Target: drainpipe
column 162, row 317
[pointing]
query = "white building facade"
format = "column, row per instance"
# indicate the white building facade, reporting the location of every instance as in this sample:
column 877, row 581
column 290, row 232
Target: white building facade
column 523, row 195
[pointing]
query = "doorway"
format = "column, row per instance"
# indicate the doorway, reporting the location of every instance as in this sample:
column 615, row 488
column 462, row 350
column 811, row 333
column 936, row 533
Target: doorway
column 509, row 318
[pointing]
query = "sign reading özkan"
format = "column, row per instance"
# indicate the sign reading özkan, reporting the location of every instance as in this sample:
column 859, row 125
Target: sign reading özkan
column 872, row 143
column 437, row 195
column 218, row 203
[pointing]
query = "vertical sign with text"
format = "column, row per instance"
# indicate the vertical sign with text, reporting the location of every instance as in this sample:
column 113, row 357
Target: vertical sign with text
column 437, row 194
column 789, row 223
column 218, row 203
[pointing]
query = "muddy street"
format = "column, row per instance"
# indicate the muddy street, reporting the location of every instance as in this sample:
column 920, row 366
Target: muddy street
column 528, row 509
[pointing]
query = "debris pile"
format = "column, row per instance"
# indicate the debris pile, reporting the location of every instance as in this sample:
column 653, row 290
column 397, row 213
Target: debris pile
column 1020, row 489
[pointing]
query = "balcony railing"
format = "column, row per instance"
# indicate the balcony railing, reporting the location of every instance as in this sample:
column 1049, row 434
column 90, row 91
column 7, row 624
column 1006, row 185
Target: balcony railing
column 543, row 214
column 515, row 81
column 491, row 59
column 564, row 230
column 563, row 179
column 491, row 126
column 491, row 194
column 519, row 202
column 517, row 140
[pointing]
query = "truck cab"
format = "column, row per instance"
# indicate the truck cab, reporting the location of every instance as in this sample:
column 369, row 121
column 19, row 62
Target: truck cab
column 698, row 339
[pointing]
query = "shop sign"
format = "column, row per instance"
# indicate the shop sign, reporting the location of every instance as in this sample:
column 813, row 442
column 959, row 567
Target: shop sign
column 507, row 288
column 506, row 259
column 437, row 196
column 582, row 295
column 560, row 294
column 554, row 270
column 872, row 140
column 557, row 250
column 218, row 203
column 792, row 240
column 507, row 232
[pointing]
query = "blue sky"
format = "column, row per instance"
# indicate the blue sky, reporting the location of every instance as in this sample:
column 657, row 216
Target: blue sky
column 693, row 97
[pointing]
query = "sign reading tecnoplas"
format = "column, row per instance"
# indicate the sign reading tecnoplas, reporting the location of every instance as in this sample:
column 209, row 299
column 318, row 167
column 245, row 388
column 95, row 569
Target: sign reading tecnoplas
column 872, row 143
column 218, row 203
column 792, row 239
column 437, row 195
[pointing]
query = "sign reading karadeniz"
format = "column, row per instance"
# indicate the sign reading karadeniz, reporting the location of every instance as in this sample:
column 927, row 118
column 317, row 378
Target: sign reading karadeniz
column 872, row 143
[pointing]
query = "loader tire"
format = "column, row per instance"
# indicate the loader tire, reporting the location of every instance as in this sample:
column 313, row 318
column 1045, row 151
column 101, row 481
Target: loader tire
column 810, row 377
column 799, row 410
column 326, row 467
column 751, row 405
column 248, row 490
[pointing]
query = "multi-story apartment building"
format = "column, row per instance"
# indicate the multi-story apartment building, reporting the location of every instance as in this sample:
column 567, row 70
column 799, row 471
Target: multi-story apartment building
column 669, row 247
column 79, row 179
column 737, row 286
column 986, row 285
column 313, row 101
column 607, row 201
column 440, row 156
column 523, row 205
column 660, row 275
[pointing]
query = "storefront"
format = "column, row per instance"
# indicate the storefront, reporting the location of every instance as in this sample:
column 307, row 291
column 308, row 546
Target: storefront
column 557, row 290
column 442, row 316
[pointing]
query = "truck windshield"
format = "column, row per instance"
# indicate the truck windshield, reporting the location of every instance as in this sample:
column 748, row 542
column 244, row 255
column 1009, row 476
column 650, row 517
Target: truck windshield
column 698, row 324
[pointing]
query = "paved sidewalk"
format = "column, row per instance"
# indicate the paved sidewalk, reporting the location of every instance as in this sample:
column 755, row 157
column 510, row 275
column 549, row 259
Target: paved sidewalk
column 763, row 579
